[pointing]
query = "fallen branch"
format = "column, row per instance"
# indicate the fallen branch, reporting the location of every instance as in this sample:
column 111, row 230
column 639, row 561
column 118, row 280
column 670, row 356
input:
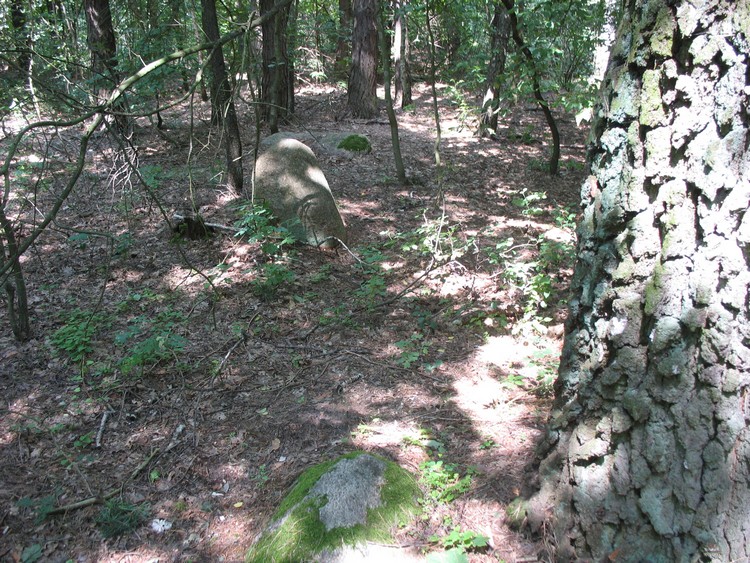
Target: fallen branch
column 100, row 499
column 194, row 227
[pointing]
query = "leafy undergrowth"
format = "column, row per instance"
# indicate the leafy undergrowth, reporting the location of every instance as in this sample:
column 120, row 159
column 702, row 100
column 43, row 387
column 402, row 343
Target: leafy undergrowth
column 174, row 388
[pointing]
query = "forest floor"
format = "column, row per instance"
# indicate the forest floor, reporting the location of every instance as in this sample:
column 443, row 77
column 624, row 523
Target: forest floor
column 194, row 406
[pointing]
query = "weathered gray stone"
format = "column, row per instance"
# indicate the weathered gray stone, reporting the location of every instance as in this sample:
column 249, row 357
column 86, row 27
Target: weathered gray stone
column 335, row 508
column 290, row 181
column 351, row 487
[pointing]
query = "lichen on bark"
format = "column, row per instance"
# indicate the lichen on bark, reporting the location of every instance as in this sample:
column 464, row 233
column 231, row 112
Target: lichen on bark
column 647, row 455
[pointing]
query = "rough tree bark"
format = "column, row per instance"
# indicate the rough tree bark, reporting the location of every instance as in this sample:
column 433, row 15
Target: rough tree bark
column 647, row 456
column 344, row 39
column 277, row 84
column 103, row 48
column 222, row 104
column 500, row 33
column 363, row 101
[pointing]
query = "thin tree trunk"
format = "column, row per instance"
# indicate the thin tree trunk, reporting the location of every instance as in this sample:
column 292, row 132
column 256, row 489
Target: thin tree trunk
column 15, row 286
column 554, row 159
column 222, row 104
column 395, row 142
column 500, row 30
column 22, row 37
column 647, row 453
column 405, row 80
column 433, row 87
column 396, row 51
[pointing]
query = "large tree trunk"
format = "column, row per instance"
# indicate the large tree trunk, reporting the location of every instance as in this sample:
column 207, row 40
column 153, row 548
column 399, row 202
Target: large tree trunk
column 222, row 104
column 363, row 101
column 647, row 457
column 277, row 85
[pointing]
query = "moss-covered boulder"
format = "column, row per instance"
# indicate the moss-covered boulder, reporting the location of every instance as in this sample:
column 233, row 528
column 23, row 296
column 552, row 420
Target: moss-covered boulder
column 336, row 507
column 290, row 181
column 355, row 143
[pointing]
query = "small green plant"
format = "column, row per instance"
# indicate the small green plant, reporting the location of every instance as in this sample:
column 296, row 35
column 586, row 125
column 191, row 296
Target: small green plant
column 372, row 291
column 273, row 277
column 466, row 107
column 546, row 361
column 513, row 380
column 338, row 315
column 554, row 255
column 487, row 444
column 150, row 341
column 419, row 440
column 436, row 239
column 117, row 517
column 526, row 136
column 257, row 223
column 443, row 481
column 530, row 276
column 79, row 239
column 529, row 202
column 42, row 506
column 123, row 243
column 572, row 165
column 463, row 540
column 262, row 476
column 74, row 337
column 84, row 441
column 412, row 350
column 565, row 218
column 322, row 275
column 426, row 319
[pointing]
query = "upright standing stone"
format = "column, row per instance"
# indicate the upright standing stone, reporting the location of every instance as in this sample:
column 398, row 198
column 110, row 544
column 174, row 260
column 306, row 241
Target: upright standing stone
column 290, row 181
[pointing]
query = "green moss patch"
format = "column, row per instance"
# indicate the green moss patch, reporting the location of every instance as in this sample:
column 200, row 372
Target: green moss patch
column 355, row 143
column 298, row 534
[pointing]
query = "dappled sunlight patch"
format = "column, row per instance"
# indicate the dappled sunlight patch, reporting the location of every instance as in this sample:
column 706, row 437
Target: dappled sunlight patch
column 140, row 554
column 379, row 433
column 481, row 396
column 17, row 420
column 504, row 351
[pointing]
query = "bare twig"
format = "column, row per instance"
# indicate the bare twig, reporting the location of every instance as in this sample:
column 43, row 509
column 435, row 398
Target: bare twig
column 102, row 424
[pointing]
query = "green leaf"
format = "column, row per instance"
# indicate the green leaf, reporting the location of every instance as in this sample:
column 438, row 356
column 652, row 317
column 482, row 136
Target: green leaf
column 31, row 553
column 454, row 555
